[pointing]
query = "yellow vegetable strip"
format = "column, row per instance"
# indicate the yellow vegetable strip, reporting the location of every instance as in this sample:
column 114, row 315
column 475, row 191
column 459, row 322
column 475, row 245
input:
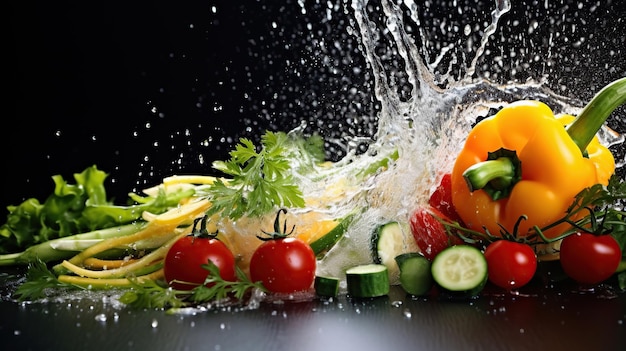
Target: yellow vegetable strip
column 108, row 283
column 124, row 270
column 188, row 179
column 98, row 263
column 112, row 243
column 177, row 182
column 183, row 214
column 163, row 224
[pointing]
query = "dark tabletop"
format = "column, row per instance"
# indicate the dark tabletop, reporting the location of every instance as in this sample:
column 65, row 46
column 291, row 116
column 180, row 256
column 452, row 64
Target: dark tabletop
column 560, row 318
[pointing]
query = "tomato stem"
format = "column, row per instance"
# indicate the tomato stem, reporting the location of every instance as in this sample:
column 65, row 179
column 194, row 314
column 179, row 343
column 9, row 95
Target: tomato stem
column 203, row 232
column 278, row 233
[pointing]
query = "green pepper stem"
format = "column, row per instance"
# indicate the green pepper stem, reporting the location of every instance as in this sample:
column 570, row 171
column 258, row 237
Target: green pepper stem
column 596, row 112
column 497, row 175
column 479, row 175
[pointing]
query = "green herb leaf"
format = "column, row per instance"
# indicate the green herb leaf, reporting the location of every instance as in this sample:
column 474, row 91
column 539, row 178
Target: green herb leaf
column 151, row 294
column 76, row 208
column 215, row 288
column 260, row 180
column 38, row 279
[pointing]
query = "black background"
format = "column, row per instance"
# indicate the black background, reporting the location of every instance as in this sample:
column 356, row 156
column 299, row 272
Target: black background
column 144, row 90
column 87, row 80
column 147, row 90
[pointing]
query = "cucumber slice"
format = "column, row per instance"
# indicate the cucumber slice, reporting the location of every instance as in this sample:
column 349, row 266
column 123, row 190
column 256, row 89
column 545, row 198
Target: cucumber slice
column 387, row 242
column 327, row 241
column 368, row 280
column 461, row 269
column 415, row 273
column 326, row 286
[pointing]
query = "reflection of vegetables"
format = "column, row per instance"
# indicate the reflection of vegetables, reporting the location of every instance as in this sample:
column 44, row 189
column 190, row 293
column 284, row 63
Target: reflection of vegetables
column 522, row 161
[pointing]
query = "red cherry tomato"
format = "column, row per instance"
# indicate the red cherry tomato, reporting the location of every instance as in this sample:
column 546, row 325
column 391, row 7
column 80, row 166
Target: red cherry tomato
column 283, row 265
column 441, row 198
column 183, row 263
column 430, row 234
column 510, row 264
column 588, row 258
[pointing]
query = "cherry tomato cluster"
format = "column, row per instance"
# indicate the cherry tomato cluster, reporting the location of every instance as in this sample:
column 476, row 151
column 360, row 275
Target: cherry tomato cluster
column 281, row 263
column 586, row 258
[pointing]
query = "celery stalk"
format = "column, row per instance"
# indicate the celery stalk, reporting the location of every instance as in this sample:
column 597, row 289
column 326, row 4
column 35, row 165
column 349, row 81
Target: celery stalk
column 51, row 250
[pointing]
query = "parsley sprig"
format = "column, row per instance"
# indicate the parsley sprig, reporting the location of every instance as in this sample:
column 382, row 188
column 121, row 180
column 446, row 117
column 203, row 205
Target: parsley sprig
column 39, row 279
column 259, row 180
column 151, row 294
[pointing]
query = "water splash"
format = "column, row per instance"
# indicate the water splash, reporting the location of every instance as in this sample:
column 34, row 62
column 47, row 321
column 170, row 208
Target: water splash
column 429, row 101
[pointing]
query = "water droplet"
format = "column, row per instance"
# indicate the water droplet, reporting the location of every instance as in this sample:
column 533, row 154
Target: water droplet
column 101, row 317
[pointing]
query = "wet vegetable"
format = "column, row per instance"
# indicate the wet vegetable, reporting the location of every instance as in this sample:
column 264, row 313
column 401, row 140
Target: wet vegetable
column 511, row 265
column 183, row 263
column 522, row 161
column 367, row 281
column 281, row 263
column 460, row 270
column 75, row 208
column 430, row 233
column 590, row 258
column 441, row 198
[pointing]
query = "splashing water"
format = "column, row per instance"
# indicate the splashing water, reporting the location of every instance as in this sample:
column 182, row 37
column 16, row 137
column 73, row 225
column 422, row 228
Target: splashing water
column 430, row 95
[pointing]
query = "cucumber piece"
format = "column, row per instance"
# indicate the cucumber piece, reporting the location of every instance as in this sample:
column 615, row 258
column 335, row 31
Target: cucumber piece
column 460, row 269
column 368, row 280
column 388, row 241
column 415, row 273
column 327, row 241
column 326, row 286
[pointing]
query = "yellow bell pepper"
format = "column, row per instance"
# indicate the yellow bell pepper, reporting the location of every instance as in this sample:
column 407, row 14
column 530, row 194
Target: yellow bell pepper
column 523, row 162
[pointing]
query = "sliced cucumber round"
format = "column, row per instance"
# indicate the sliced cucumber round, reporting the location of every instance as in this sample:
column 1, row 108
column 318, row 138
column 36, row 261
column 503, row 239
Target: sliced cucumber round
column 460, row 269
column 388, row 241
column 326, row 286
column 368, row 280
column 415, row 273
